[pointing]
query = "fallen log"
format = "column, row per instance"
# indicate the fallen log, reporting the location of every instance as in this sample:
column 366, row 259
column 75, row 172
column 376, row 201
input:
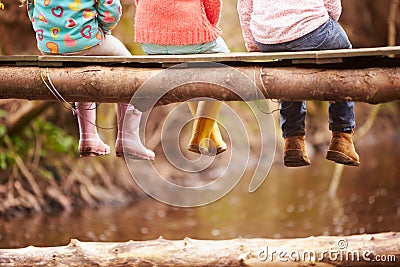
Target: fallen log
column 358, row 250
column 366, row 74
column 119, row 84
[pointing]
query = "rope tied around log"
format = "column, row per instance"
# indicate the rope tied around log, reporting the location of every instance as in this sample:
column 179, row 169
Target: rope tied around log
column 54, row 90
column 71, row 107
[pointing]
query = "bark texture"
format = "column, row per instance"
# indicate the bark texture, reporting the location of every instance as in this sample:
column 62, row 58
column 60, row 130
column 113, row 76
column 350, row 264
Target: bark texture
column 361, row 250
column 119, row 84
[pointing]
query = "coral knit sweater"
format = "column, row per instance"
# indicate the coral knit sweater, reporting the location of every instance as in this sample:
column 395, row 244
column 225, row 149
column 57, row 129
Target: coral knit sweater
column 177, row 22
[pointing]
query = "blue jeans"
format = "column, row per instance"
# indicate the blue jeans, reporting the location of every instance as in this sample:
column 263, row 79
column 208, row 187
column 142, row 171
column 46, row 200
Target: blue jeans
column 330, row 35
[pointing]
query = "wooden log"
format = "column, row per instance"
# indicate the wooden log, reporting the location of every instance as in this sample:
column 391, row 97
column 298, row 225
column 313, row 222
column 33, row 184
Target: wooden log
column 359, row 250
column 118, row 84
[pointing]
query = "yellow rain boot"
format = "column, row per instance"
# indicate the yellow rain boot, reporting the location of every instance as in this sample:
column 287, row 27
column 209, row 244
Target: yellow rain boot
column 216, row 138
column 205, row 128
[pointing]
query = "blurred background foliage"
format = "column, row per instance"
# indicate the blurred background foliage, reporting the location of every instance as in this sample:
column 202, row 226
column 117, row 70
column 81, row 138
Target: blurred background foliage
column 365, row 21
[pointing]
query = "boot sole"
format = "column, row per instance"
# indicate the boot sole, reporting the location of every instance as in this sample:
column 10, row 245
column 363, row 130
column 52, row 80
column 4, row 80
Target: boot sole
column 93, row 150
column 341, row 158
column 221, row 149
column 196, row 149
column 132, row 156
column 293, row 161
column 93, row 153
column 294, row 158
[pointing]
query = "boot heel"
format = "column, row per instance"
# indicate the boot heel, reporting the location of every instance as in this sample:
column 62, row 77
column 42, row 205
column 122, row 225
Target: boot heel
column 295, row 158
column 341, row 158
column 221, row 149
column 194, row 148
column 341, row 149
column 89, row 154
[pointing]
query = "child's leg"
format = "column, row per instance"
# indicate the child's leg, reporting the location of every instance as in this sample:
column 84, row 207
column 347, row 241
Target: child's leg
column 293, row 116
column 215, row 135
column 342, row 123
column 128, row 141
column 90, row 143
column 341, row 116
column 200, row 136
column 207, row 111
column 109, row 46
column 218, row 145
column 112, row 46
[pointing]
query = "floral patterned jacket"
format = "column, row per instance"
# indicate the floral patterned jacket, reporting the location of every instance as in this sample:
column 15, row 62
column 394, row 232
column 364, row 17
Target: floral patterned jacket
column 66, row 26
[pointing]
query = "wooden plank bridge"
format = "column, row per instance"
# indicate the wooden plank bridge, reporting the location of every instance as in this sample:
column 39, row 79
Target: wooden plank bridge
column 369, row 75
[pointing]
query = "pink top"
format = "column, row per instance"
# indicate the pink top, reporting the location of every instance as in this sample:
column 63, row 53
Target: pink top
column 280, row 21
column 177, row 22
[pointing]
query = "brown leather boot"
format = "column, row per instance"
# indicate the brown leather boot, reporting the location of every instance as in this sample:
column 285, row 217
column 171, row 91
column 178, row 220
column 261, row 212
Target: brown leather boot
column 295, row 152
column 341, row 149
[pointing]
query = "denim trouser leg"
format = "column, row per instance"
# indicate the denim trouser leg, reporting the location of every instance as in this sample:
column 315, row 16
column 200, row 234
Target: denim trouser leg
column 293, row 118
column 341, row 116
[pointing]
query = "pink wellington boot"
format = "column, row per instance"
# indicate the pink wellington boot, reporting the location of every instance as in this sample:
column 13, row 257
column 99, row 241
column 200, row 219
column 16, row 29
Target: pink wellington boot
column 128, row 134
column 90, row 143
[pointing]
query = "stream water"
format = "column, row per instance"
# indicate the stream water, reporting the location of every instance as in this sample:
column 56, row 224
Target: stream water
column 290, row 203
